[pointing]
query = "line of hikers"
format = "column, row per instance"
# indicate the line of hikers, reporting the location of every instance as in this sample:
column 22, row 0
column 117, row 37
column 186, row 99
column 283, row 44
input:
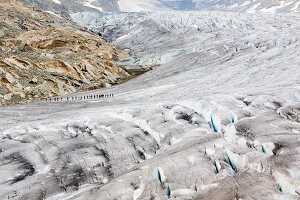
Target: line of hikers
column 74, row 98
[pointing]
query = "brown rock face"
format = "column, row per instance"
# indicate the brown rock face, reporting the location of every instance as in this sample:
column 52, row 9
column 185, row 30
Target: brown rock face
column 43, row 56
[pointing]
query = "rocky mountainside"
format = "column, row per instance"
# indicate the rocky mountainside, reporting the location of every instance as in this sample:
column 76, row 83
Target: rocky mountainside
column 42, row 55
column 65, row 7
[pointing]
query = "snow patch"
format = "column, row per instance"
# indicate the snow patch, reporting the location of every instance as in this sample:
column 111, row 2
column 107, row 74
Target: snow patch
column 245, row 3
column 88, row 3
column 56, row 1
column 53, row 13
column 274, row 8
column 253, row 9
column 140, row 6
column 296, row 7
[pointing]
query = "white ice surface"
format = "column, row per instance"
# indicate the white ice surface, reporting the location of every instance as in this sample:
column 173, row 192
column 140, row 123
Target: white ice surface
column 243, row 68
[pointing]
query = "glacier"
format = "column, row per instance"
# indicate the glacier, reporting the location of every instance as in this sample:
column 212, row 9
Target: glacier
column 240, row 70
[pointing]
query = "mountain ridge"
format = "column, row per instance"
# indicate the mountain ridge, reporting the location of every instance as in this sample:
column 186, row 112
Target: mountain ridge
column 65, row 7
column 42, row 56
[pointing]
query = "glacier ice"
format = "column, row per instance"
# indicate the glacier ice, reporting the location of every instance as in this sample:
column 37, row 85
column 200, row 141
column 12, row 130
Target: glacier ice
column 240, row 70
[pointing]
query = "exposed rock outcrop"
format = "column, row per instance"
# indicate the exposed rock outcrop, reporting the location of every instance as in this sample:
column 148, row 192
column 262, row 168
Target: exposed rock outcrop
column 42, row 56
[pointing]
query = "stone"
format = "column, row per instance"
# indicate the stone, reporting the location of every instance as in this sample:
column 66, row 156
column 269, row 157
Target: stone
column 8, row 97
column 34, row 80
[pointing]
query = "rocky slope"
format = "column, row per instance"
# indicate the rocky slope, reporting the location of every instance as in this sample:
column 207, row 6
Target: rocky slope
column 42, row 55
